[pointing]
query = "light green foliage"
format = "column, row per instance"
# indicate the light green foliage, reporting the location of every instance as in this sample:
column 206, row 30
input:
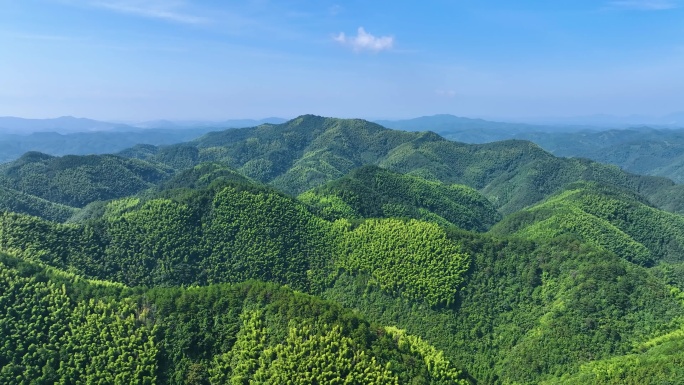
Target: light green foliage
column 607, row 217
column 330, row 207
column 585, row 285
column 328, row 358
column 257, row 333
column 109, row 344
column 58, row 329
column 240, row 232
column 529, row 310
column 440, row 369
column 659, row 361
column 239, row 365
column 49, row 337
column 414, row 259
column 120, row 206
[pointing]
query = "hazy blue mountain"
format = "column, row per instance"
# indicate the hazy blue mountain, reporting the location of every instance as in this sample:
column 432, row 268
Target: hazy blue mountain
column 469, row 130
column 231, row 123
column 641, row 150
column 78, row 136
column 70, row 124
column 64, row 125
column 613, row 121
column 12, row 146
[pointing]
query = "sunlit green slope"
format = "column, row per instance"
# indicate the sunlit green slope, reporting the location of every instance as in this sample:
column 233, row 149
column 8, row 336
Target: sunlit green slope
column 372, row 192
column 237, row 231
column 611, row 218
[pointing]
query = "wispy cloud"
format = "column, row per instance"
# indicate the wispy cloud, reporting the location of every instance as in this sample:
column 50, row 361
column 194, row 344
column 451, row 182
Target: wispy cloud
column 170, row 10
column 644, row 5
column 29, row 36
column 335, row 10
column 364, row 41
column 446, row 93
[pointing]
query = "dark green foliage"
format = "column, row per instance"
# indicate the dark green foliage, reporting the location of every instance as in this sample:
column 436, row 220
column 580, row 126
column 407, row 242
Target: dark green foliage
column 371, row 192
column 310, row 151
column 18, row 202
column 641, row 150
column 585, row 285
column 671, row 273
column 202, row 176
column 78, row 180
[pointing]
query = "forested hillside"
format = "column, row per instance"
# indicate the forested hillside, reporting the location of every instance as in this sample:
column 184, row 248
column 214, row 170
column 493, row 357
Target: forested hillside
column 78, row 180
column 58, row 328
column 373, row 192
column 20, row 202
column 604, row 216
column 402, row 258
column 309, row 151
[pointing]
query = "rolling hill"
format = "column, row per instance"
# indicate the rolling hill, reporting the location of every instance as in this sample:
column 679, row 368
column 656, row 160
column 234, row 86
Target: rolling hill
column 275, row 252
column 78, row 180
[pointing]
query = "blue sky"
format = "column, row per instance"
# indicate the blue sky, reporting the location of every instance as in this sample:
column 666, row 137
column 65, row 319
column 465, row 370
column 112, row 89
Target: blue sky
column 210, row 59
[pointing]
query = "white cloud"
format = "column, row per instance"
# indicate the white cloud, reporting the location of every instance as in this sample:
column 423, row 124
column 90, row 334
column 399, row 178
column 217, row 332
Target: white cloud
column 169, row 10
column 365, row 41
column 644, row 5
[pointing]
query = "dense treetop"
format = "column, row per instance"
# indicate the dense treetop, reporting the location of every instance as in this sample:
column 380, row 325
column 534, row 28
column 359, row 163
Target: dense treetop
column 78, row 180
column 372, row 192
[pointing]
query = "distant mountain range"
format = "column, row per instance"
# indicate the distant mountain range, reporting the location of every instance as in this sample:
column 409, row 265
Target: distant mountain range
column 78, row 136
column 70, row 124
column 63, row 125
column 650, row 150
column 231, row 123
column 544, row 124
column 604, row 120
